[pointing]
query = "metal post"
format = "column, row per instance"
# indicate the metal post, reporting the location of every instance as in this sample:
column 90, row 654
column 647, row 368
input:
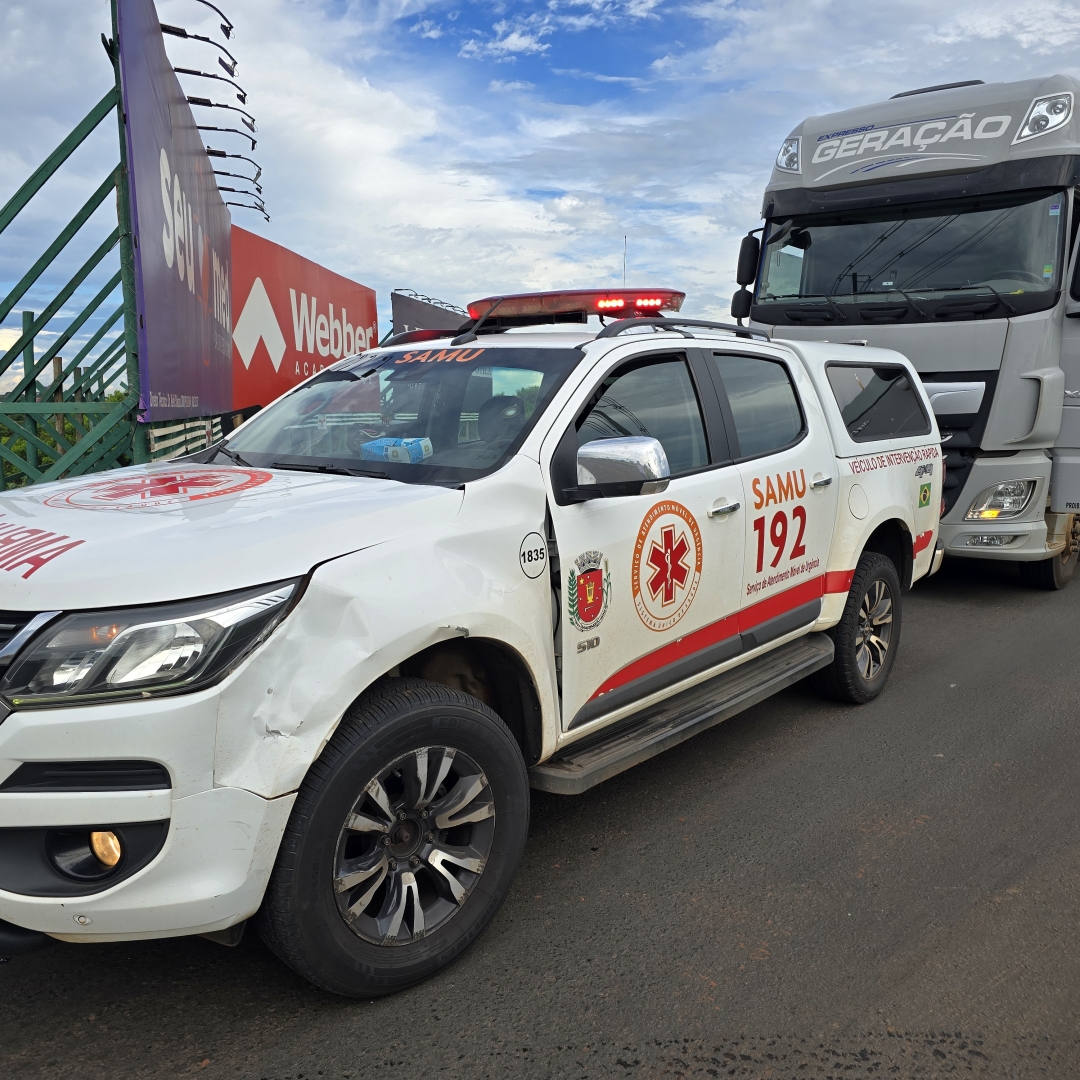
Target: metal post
column 139, row 450
column 31, row 391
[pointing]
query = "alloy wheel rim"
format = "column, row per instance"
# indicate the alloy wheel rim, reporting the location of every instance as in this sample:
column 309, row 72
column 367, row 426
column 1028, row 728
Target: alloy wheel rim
column 874, row 633
column 414, row 846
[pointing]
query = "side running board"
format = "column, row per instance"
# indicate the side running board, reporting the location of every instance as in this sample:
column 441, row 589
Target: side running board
column 597, row 758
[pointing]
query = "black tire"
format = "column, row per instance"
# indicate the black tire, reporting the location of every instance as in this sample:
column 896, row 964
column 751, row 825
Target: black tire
column 306, row 917
column 860, row 666
column 1053, row 573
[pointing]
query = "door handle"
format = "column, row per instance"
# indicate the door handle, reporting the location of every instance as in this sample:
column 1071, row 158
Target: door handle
column 723, row 511
column 823, row 482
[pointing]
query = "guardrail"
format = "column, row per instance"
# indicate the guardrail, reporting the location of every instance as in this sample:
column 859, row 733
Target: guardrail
column 66, row 417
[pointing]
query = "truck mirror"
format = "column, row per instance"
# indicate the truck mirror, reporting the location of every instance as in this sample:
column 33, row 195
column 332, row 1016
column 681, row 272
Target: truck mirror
column 740, row 304
column 749, row 252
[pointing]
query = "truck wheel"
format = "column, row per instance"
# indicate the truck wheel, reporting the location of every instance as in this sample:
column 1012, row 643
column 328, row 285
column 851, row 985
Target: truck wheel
column 1057, row 571
column 868, row 634
column 402, row 843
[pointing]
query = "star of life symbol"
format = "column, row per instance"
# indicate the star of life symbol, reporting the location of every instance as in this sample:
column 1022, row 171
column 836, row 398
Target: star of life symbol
column 668, row 559
column 667, row 565
column 158, row 489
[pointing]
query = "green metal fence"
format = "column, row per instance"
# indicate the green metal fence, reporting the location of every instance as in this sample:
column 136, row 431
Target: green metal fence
column 66, row 417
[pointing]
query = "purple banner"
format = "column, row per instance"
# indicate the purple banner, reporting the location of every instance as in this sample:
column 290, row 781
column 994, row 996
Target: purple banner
column 182, row 231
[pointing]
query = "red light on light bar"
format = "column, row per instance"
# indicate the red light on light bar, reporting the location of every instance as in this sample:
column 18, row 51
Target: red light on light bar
column 584, row 300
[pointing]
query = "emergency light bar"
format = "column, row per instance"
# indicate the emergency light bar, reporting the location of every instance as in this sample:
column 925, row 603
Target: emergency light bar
column 596, row 301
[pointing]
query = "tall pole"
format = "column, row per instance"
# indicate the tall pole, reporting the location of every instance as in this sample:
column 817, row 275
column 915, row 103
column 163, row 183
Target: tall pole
column 139, row 449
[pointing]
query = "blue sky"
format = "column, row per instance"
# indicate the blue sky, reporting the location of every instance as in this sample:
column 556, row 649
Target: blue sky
column 462, row 149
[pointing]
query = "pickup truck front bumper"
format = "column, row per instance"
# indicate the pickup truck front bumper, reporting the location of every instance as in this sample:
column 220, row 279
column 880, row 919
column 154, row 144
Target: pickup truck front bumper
column 212, row 847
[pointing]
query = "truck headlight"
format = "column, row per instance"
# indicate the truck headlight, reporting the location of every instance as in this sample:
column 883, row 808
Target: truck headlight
column 143, row 652
column 1045, row 114
column 790, row 153
column 1002, row 501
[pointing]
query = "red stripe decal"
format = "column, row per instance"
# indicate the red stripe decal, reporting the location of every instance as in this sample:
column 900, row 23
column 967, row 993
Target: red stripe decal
column 922, row 541
column 835, row 581
column 693, row 642
column 729, row 627
column 838, row 580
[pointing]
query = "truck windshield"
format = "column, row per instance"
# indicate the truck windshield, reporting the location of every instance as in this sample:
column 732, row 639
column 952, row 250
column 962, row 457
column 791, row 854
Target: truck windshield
column 964, row 259
column 428, row 416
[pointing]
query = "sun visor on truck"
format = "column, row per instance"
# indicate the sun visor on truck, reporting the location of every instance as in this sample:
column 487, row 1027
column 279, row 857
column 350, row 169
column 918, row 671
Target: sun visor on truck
column 1060, row 171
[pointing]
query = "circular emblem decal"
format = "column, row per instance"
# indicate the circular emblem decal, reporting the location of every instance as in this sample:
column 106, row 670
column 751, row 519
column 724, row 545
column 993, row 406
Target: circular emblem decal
column 667, row 565
column 158, row 490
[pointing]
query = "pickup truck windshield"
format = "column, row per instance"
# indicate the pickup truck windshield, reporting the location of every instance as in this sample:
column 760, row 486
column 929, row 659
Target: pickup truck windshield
column 974, row 258
column 435, row 415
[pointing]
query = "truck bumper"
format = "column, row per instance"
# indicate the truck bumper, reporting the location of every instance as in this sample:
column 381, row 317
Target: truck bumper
column 1023, row 540
column 214, row 846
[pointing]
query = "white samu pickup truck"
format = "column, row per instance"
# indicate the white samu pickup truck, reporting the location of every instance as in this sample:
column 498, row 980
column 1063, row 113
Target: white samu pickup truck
column 309, row 675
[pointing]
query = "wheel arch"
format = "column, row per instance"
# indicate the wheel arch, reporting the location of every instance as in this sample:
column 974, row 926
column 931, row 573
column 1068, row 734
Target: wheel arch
column 492, row 671
column 892, row 538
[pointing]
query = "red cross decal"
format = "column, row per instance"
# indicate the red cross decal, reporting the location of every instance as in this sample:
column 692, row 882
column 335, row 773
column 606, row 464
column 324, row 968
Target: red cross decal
column 668, row 559
column 150, row 487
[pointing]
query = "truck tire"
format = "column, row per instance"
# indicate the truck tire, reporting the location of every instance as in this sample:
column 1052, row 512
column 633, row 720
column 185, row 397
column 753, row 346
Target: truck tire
column 1053, row 573
column 867, row 636
column 402, row 844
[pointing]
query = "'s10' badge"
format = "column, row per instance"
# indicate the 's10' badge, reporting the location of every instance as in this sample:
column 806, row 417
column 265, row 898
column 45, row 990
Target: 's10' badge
column 588, row 590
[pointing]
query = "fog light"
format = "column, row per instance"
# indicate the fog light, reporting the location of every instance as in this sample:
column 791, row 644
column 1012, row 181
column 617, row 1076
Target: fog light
column 106, row 847
column 992, row 540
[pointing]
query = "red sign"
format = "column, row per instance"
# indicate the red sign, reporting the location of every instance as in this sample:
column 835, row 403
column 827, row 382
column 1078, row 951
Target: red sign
column 292, row 318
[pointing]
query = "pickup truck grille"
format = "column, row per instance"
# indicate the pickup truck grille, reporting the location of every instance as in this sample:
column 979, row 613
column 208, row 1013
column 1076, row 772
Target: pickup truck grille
column 11, row 622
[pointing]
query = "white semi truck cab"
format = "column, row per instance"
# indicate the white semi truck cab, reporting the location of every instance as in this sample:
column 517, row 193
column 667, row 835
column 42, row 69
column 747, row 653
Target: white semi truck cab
column 942, row 224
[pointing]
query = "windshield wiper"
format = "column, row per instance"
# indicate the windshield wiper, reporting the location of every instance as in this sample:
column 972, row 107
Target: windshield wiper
column 232, row 455
column 824, row 296
column 337, row 470
column 967, row 288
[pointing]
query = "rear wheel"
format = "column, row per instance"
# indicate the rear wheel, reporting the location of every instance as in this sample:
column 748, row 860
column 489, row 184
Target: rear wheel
column 867, row 636
column 1057, row 571
column 402, row 843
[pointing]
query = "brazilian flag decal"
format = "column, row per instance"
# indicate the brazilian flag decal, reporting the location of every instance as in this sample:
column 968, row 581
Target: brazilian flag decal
column 924, row 495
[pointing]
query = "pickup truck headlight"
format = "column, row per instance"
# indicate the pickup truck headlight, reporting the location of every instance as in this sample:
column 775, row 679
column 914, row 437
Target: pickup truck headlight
column 1002, row 501
column 142, row 652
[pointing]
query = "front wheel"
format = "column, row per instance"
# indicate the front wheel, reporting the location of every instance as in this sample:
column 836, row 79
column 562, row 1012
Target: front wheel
column 867, row 636
column 402, row 844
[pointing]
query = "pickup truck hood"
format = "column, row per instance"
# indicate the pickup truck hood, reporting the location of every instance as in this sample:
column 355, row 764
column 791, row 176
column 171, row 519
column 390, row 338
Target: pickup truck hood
column 169, row 531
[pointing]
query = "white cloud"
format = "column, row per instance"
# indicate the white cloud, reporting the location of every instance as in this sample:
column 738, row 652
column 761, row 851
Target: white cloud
column 498, row 86
column 522, row 36
column 427, row 29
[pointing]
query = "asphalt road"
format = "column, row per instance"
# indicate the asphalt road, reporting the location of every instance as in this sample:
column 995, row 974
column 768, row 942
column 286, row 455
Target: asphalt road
column 806, row 891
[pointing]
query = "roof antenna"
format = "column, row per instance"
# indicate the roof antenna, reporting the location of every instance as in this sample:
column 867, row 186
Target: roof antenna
column 624, row 261
column 470, row 334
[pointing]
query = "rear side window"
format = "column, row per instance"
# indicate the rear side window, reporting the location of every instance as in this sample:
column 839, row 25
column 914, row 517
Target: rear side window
column 763, row 403
column 877, row 402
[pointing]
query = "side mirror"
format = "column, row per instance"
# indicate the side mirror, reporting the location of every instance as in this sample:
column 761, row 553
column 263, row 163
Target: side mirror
column 749, row 253
column 608, row 468
column 740, row 304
